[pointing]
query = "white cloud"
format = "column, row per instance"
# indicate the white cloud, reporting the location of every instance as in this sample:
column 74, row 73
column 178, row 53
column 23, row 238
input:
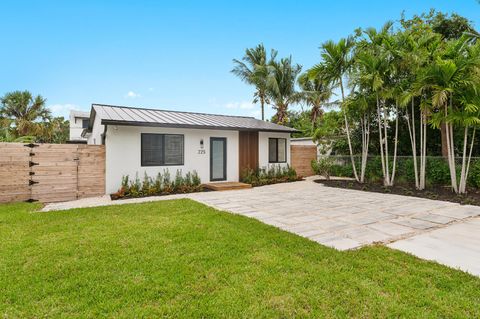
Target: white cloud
column 256, row 113
column 132, row 95
column 63, row 109
column 240, row 105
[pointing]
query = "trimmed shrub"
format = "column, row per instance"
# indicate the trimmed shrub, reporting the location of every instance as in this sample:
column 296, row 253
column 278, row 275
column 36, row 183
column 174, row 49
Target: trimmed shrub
column 162, row 185
column 323, row 166
column 274, row 174
column 474, row 174
column 437, row 172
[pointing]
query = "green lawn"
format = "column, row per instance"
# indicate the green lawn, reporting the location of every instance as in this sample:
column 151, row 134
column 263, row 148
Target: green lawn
column 183, row 259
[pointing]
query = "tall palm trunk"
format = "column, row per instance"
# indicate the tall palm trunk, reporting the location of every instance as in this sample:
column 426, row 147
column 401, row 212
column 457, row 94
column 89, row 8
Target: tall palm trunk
column 462, row 187
column 365, row 123
column 348, row 135
column 423, row 150
column 387, row 166
column 394, row 165
column 413, row 142
column 315, row 113
column 418, row 171
column 450, row 149
column 443, row 138
column 281, row 113
column 262, row 105
column 380, row 138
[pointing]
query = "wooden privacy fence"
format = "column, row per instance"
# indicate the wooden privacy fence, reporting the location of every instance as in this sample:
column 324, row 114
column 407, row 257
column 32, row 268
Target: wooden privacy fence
column 51, row 172
column 301, row 158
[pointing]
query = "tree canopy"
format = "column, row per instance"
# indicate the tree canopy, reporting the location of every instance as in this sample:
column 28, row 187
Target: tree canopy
column 25, row 118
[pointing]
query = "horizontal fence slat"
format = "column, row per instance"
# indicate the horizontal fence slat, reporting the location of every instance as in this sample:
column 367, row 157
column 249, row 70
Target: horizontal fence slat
column 61, row 172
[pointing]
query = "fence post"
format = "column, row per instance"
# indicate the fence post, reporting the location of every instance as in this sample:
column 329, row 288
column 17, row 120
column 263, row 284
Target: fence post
column 31, row 173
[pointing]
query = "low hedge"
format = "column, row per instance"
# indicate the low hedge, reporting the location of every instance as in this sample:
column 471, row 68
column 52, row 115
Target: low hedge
column 161, row 185
column 437, row 171
column 275, row 174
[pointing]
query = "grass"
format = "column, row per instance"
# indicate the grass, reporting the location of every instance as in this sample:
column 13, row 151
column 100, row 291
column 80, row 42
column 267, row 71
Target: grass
column 183, row 259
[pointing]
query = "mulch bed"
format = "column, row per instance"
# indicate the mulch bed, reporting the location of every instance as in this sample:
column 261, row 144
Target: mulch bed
column 432, row 192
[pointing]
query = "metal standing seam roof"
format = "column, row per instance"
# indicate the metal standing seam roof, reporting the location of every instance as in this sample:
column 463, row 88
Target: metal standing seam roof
column 123, row 115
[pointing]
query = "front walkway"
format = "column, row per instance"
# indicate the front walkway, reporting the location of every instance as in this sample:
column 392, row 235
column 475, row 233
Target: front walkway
column 338, row 218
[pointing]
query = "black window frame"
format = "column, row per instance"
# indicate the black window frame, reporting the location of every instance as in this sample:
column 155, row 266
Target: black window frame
column 162, row 161
column 85, row 121
column 276, row 150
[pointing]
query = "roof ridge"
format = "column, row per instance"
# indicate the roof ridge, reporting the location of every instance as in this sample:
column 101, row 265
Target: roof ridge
column 163, row 110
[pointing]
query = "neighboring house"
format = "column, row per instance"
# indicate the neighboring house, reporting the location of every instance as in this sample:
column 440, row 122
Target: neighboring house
column 218, row 147
column 78, row 122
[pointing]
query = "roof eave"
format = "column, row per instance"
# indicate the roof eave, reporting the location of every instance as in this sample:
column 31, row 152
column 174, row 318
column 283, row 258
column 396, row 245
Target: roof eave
column 169, row 125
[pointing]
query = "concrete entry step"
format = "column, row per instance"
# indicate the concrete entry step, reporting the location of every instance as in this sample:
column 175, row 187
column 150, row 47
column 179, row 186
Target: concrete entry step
column 226, row 186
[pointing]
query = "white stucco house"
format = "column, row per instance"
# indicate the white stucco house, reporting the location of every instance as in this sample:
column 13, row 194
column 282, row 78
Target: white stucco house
column 78, row 122
column 218, row 147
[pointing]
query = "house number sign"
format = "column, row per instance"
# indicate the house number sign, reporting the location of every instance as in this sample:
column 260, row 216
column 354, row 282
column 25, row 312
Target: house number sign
column 201, row 150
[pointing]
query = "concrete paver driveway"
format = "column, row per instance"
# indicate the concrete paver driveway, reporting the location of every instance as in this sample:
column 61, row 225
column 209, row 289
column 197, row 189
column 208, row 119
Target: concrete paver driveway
column 346, row 219
column 339, row 218
column 457, row 245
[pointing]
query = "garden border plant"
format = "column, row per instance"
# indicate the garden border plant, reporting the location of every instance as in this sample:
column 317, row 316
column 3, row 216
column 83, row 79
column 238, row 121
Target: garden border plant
column 273, row 175
column 437, row 179
column 160, row 186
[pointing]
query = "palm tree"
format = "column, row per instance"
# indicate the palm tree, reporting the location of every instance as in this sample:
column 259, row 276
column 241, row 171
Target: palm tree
column 253, row 70
column 335, row 66
column 315, row 93
column 24, row 110
column 454, row 83
column 281, row 86
column 419, row 50
column 379, row 72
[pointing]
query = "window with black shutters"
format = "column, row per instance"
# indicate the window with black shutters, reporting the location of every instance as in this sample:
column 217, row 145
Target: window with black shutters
column 277, row 150
column 162, row 149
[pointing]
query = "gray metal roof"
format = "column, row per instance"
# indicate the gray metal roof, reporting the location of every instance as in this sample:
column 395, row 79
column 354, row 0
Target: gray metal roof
column 123, row 115
column 79, row 114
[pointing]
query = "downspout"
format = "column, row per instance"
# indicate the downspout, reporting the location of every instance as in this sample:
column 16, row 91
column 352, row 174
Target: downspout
column 104, row 134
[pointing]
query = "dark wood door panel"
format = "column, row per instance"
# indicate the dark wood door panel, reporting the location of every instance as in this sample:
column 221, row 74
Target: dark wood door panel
column 248, row 151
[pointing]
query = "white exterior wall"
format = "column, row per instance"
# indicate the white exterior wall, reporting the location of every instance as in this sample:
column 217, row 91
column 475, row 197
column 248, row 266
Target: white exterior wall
column 123, row 153
column 263, row 148
column 304, row 142
column 95, row 138
column 76, row 129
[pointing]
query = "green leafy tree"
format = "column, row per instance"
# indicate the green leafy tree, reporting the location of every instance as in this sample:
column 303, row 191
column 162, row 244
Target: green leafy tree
column 24, row 118
column 300, row 120
column 454, row 82
column 55, row 130
column 329, row 132
column 25, row 111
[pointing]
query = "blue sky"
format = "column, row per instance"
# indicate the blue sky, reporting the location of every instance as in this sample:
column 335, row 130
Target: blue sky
column 172, row 54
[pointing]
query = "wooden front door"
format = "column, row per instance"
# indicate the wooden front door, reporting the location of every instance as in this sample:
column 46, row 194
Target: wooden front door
column 248, row 151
